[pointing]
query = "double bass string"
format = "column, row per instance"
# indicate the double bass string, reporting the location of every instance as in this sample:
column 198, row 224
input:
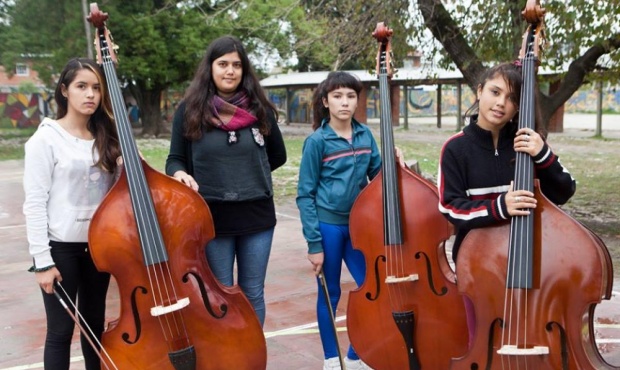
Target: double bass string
column 151, row 240
column 519, row 278
column 391, row 206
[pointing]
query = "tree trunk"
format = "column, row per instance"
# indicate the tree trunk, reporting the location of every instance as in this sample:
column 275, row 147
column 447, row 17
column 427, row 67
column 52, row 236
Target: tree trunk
column 89, row 38
column 447, row 32
column 149, row 102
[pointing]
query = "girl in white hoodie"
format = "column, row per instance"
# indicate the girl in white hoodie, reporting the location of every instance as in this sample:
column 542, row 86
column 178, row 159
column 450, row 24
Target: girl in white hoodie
column 69, row 167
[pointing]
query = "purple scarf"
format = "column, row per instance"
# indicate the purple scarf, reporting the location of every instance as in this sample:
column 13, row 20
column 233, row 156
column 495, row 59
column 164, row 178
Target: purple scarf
column 232, row 114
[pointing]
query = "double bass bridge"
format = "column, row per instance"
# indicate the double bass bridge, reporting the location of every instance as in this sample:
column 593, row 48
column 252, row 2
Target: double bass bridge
column 395, row 280
column 162, row 310
column 513, row 350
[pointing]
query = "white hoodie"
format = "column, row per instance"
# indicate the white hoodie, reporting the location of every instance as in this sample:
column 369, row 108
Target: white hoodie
column 62, row 187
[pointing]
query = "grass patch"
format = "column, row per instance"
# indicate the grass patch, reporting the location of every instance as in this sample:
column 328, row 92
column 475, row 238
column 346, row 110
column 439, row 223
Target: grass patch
column 12, row 142
column 588, row 159
column 16, row 133
column 155, row 152
column 285, row 177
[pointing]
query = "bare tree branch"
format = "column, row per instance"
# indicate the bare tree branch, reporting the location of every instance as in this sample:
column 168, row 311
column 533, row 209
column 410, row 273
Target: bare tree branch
column 447, row 32
column 578, row 70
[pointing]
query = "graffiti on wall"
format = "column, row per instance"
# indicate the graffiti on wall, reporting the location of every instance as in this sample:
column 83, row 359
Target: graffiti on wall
column 19, row 110
column 299, row 103
column 421, row 102
column 586, row 100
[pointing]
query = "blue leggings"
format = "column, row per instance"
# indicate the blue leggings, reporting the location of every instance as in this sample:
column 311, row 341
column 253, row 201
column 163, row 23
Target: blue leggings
column 336, row 248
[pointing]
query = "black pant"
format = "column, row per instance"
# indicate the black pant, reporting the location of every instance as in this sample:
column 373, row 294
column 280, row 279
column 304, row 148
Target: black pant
column 79, row 278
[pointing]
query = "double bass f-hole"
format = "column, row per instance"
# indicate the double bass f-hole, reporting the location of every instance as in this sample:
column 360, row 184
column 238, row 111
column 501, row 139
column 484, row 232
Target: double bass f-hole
column 223, row 308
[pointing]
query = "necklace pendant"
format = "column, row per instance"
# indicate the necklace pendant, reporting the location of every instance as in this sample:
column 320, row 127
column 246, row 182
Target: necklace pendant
column 233, row 138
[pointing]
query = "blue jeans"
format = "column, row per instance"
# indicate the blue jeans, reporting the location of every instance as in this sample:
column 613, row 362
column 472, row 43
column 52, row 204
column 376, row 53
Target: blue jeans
column 336, row 248
column 252, row 254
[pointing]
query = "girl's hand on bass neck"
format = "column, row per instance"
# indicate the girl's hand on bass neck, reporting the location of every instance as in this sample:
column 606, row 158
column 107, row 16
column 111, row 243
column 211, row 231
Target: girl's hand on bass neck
column 528, row 141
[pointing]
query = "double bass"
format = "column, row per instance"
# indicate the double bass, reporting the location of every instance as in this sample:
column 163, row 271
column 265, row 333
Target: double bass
column 149, row 233
column 407, row 314
column 534, row 282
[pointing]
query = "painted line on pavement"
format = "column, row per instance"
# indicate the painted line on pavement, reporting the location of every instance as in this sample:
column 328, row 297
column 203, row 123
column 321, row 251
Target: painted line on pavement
column 310, row 328
column 302, row 329
column 12, row 227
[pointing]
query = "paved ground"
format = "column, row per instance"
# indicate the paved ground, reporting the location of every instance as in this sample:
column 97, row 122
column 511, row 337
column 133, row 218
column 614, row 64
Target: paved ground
column 290, row 328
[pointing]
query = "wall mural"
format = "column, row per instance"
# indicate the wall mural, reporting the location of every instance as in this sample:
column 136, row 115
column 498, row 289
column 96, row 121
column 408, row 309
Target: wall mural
column 422, row 102
column 19, row 110
column 585, row 101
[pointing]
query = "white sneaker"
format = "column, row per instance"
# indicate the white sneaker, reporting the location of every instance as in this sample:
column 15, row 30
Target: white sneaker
column 355, row 364
column 332, row 363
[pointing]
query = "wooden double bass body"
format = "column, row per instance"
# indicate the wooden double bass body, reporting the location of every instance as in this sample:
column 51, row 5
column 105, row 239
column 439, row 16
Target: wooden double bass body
column 219, row 322
column 408, row 313
column 149, row 233
column 572, row 273
column 534, row 282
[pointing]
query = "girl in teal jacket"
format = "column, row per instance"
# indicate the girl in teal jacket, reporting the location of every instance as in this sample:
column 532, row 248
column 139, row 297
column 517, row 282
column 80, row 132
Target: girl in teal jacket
column 338, row 160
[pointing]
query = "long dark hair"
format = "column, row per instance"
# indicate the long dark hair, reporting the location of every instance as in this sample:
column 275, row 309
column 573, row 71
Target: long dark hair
column 512, row 74
column 201, row 90
column 101, row 123
column 333, row 81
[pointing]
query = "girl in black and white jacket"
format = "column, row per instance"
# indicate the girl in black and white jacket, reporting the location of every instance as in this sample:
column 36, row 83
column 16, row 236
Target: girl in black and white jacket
column 477, row 165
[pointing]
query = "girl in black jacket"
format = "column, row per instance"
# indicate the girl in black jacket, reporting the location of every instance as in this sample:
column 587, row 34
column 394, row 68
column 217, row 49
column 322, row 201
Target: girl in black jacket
column 476, row 166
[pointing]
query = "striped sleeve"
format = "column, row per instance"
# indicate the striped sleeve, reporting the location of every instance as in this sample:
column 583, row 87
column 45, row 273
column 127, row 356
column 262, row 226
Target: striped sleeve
column 463, row 206
column 556, row 182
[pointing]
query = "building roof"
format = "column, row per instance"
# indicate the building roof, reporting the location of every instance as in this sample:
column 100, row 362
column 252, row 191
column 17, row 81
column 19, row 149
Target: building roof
column 404, row 76
column 10, row 84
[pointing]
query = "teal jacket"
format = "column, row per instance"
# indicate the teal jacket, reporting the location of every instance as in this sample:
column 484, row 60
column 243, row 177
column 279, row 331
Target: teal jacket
column 332, row 173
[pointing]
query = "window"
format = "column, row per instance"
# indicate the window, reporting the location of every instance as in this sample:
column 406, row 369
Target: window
column 21, row 69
